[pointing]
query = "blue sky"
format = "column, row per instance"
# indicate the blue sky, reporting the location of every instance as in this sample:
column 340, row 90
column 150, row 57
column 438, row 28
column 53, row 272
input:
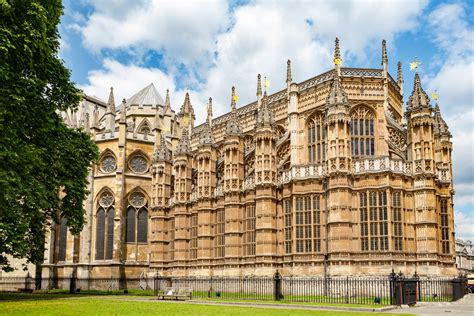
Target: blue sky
column 205, row 47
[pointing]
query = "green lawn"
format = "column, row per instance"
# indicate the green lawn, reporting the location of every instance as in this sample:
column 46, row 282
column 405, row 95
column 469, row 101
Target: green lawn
column 124, row 306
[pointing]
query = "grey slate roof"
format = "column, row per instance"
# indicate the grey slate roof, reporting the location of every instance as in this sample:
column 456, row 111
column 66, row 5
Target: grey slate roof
column 148, row 96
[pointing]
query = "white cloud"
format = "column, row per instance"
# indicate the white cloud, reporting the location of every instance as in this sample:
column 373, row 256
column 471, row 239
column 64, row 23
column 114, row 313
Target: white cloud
column 464, row 225
column 227, row 48
column 184, row 32
column 454, row 81
column 127, row 80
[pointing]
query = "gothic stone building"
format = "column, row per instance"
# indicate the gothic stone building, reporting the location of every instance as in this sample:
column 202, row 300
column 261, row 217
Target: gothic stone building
column 327, row 176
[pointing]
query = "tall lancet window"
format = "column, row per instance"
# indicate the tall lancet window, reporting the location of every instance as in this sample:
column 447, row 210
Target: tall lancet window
column 137, row 218
column 104, row 237
column 362, row 132
column 316, row 133
column 62, row 243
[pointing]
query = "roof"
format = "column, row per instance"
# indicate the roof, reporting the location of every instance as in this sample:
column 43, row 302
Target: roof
column 148, row 96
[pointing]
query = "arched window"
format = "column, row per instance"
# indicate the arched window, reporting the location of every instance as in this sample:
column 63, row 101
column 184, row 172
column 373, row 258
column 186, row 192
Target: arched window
column 362, row 132
column 142, row 226
column 131, row 214
column 137, row 218
column 100, row 234
column 104, row 242
column 62, row 244
column 316, row 138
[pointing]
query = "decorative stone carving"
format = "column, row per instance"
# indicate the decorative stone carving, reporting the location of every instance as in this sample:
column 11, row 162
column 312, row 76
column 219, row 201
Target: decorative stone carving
column 137, row 199
column 138, row 164
column 106, row 199
column 108, row 164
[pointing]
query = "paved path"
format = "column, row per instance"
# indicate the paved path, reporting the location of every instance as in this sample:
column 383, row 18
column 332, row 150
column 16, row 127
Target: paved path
column 464, row 306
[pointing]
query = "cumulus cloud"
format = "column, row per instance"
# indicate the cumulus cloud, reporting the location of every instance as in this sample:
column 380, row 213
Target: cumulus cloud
column 216, row 46
column 464, row 225
column 454, row 81
column 127, row 80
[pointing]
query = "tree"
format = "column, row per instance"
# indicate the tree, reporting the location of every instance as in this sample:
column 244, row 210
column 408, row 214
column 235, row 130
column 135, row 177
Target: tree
column 43, row 163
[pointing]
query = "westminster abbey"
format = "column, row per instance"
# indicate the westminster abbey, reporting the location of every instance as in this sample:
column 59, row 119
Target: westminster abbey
column 329, row 176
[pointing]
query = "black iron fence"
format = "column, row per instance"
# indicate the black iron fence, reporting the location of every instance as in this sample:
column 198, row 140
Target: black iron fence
column 395, row 289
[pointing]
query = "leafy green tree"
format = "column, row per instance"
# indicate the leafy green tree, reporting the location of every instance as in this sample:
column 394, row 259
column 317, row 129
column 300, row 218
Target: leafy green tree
column 43, row 163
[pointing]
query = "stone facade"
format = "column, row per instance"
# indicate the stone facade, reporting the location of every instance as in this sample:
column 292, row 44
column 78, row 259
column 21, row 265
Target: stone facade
column 329, row 176
column 464, row 256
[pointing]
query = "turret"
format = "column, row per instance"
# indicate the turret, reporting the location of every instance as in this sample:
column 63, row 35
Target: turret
column 183, row 169
column 233, row 150
column 265, row 184
column 161, row 183
column 442, row 147
column 233, row 178
column 420, row 129
column 296, row 137
column 338, row 128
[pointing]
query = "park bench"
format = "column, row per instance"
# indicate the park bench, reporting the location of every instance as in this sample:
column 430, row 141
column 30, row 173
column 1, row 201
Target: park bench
column 24, row 290
column 176, row 294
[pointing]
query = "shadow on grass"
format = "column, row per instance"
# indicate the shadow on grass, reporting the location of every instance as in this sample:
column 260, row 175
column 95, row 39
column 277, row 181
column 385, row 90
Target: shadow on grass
column 58, row 294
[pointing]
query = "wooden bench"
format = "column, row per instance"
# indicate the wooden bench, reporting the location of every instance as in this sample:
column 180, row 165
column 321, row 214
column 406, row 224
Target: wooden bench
column 176, row 294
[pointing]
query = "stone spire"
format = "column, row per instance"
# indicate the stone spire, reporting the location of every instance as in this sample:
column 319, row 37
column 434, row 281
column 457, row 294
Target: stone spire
column 233, row 102
column 123, row 113
column 233, row 127
column 162, row 153
column 265, row 115
column 337, row 57
column 400, row 77
column 259, row 85
column 440, row 126
column 206, row 135
column 167, row 109
column 259, row 91
column 184, row 146
column 385, row 62
column 384, row 53
column 209, row 112
column 336, row 95
column 418, row 98
column 187, row 106
column 289, row 78
column 111, row 102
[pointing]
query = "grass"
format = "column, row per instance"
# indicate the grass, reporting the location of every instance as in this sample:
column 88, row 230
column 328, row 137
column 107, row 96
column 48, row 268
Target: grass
column 115, row 305
column 291, row 303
